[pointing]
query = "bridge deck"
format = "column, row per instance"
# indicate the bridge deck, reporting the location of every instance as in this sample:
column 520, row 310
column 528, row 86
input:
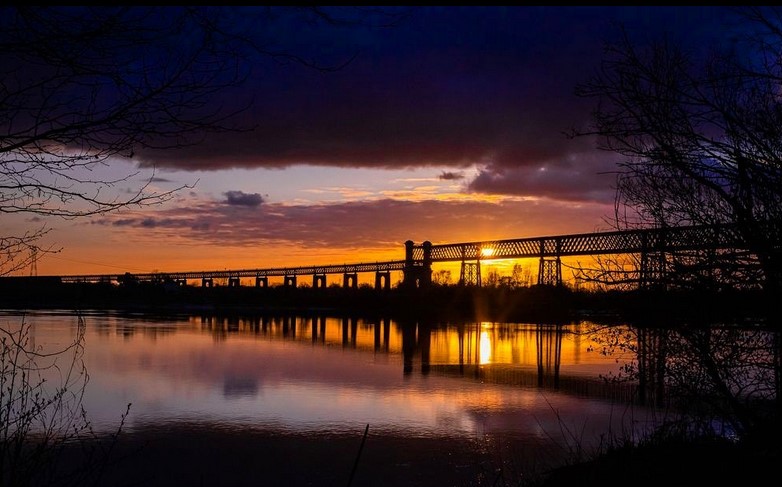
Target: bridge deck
column 616, row 242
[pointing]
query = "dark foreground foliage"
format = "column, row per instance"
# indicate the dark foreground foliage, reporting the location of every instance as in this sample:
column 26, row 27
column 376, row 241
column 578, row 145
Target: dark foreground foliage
column 673, row 462
column 548, row 304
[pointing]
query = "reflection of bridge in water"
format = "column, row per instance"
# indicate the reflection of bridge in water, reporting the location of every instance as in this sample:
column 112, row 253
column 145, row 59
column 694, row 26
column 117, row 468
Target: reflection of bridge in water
column 517, row 355
column 651, row 246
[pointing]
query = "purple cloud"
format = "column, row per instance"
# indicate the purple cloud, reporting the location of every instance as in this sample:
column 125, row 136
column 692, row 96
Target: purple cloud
column 354, row 225
column 240, row 198
column 447, row 86
column 451, row 176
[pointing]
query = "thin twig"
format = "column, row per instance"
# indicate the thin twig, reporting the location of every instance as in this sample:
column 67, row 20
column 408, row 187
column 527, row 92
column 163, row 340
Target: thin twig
column 358, row 456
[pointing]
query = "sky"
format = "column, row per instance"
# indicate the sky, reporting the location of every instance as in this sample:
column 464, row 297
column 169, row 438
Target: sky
column 447, row 125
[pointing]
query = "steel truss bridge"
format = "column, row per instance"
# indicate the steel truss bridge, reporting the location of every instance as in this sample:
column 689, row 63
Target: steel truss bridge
column 649, row 244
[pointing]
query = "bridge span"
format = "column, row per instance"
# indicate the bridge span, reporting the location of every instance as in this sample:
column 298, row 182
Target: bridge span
column 350, row 272
column 651, row 245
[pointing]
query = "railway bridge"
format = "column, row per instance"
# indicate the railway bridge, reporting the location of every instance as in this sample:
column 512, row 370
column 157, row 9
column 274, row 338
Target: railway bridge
column 650, row 245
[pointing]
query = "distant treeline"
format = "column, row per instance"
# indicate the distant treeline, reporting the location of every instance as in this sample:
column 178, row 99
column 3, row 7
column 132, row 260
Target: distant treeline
column 547, row 304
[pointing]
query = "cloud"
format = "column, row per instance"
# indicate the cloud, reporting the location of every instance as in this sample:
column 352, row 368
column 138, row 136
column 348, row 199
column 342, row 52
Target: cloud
column 355, row 224
column 576, row 178
column 449, row 86
column 451, row 176
column 121, row 222
column 240, row 198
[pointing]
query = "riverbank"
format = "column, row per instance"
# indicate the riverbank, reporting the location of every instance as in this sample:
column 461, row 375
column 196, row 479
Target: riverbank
column 675, row 462
column 437, row 303
column 194, row 455
column 165, row 456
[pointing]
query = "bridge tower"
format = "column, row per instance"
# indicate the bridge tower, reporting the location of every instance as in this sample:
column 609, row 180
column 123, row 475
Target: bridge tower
column 654, row 261
column 471, row 274
column 550, row 271
column 652, row 270
column 550, row 266
column 417, row 274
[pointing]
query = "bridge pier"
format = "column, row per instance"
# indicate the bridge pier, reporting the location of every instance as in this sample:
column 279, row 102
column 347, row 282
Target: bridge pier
column 654, row 262
column 470, row 274
column 290, row 281
column 418, row 274
column 182, row 282
column 550, row 271
column 206, row 282
column 234, row 281
column 350, row 280
column 318, row 281
column 261, row 281
column 383, row 280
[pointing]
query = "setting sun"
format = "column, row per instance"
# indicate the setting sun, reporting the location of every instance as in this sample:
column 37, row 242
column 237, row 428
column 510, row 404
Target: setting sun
column 487, row 252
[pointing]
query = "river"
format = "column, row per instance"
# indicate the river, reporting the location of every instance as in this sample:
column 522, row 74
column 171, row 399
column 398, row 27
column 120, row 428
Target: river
column 323, row 400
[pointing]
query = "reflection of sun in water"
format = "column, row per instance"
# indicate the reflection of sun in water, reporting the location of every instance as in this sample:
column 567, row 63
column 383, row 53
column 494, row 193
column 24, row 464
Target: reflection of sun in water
column 485, row 345
column 487, row 252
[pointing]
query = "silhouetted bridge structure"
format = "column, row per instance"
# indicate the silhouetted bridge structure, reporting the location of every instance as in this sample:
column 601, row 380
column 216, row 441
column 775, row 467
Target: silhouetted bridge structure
column 651, row 245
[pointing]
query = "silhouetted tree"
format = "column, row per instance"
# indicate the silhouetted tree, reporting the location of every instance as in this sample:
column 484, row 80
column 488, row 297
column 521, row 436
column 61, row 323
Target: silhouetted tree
column 719, row 379
column 521, row 276
column 441, row 277
column 702, row 141
column 41, row 412
column 82, row 88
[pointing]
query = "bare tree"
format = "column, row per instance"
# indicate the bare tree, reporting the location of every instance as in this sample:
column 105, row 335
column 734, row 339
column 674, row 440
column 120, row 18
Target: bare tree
column 720, row 379
column 702, row 140
column 82, row 88
column 41, row 412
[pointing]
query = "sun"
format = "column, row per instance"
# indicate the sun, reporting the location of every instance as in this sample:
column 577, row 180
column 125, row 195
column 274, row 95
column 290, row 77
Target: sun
column 487, row 252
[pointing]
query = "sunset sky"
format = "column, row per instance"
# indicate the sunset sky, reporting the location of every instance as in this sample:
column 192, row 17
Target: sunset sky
column 446, row 126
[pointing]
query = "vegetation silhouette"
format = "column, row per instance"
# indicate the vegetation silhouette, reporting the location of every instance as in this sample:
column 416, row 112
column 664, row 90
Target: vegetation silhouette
column 41, row 413
column 86, row 88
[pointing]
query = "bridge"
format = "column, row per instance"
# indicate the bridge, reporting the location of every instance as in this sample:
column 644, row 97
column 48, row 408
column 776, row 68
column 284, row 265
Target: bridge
column 651, row 245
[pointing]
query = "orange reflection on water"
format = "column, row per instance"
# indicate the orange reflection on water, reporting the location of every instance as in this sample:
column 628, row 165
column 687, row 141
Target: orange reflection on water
column 484, row 355
column 518, row 344
column 312, row 373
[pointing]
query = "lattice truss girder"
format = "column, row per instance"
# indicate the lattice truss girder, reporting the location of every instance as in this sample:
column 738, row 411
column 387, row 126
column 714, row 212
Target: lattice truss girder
column 471, row 274
column 631, row 241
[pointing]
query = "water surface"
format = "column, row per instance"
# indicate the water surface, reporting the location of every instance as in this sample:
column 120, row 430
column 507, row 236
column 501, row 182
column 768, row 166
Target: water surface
column 483, row 386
